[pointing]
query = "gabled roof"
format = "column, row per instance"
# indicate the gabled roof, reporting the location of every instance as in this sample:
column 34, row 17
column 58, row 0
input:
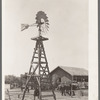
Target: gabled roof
column 73, row 70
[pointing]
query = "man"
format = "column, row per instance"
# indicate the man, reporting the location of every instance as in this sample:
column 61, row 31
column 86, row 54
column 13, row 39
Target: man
column 62, row 89
column 72, row 88
column 36, row 93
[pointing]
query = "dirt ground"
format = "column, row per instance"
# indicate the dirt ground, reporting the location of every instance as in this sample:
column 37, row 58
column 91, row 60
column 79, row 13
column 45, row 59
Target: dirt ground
column 16, row 94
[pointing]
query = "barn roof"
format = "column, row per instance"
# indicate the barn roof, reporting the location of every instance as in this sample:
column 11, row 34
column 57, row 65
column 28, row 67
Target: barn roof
column 73, row 70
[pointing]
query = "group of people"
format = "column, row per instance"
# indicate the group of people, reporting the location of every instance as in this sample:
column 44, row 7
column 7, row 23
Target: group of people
column 66, row 89
column 63, row 88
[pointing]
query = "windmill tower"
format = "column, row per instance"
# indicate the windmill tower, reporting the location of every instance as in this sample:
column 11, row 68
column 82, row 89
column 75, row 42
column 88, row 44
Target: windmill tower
column 39, row 70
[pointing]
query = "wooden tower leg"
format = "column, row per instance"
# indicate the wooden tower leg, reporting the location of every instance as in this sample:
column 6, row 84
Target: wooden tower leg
column 28, row 82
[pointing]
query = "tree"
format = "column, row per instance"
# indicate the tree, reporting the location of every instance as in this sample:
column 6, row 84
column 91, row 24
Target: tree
column 12, row 79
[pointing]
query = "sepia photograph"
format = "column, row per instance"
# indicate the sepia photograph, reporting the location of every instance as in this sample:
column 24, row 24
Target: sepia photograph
column 46, row 50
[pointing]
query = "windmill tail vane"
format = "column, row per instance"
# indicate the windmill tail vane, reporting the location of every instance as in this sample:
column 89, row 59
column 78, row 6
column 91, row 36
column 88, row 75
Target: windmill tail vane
column 26, row 26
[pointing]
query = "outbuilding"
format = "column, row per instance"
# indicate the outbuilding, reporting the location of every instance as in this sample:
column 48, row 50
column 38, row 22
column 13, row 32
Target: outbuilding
column 64, row 74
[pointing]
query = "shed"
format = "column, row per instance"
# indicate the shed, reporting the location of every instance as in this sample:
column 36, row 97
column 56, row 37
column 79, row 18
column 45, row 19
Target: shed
column 64, row 74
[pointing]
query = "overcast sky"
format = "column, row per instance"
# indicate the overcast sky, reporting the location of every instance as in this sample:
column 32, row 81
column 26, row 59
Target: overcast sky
column 68, row 33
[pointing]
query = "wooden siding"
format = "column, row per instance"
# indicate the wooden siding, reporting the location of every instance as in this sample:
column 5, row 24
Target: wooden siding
column 65, row 76
column 64, row 79
column 59, row 73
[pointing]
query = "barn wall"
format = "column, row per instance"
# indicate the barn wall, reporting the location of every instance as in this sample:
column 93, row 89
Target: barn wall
column 64, row 79
column 60, row 76
column 57, row 74
column 55, row 78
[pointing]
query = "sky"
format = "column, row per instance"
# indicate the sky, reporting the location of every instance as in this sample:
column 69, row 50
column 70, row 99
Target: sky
column 68, row 34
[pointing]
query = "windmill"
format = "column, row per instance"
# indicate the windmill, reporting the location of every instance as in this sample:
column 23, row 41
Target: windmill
column 39, row 69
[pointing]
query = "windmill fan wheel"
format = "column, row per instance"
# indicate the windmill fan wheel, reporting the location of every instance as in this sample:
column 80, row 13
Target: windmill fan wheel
column 41, row 15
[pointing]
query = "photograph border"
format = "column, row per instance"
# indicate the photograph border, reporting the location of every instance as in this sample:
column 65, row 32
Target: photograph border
column 98, row 49
column 0, row 49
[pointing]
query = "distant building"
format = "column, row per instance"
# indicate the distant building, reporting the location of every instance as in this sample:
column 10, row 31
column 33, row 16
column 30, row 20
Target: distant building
column 68, row 74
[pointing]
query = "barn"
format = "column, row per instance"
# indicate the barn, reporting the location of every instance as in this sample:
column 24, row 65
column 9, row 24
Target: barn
column 64, row 74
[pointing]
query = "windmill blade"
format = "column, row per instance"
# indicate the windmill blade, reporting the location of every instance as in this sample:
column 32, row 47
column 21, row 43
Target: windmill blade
column 24, row 26
column 44, row 30
column 46, row 26
column 47, row 23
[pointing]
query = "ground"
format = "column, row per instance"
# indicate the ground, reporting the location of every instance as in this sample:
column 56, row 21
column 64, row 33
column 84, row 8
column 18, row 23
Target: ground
column 16, row 94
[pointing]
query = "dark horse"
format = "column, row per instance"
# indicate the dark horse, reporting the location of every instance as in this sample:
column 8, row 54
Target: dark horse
column 70, row 89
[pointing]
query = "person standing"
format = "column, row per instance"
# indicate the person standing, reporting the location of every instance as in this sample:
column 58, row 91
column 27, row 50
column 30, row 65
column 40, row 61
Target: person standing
column 36, row 93
column 62, row 89
column 72, row 88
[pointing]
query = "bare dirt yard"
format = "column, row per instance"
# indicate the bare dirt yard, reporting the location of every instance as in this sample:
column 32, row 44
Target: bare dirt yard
column 16, row 94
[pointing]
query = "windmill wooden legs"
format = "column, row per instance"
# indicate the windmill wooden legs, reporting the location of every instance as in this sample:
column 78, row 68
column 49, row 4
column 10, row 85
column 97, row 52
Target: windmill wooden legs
column 39, row 61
